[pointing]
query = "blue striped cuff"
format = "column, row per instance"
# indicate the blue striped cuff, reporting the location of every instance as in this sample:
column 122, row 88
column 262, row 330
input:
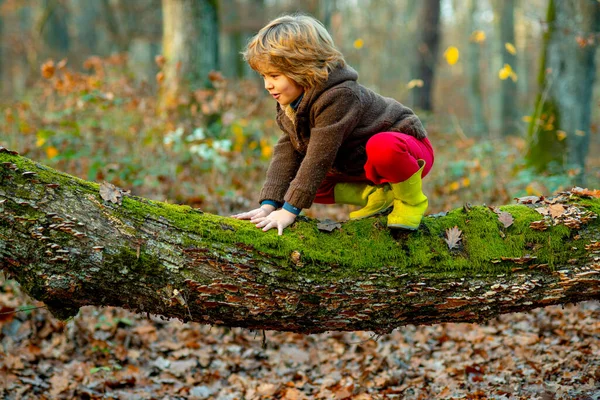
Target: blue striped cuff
column 271, row 203
column 294, row 210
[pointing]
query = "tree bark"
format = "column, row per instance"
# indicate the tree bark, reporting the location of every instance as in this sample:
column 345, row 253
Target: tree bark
column 428, row 42
column 68, row 247
column 559, row 131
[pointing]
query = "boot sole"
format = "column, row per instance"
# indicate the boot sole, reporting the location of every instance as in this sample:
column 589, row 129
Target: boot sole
column 399, row 226
column 373, row 213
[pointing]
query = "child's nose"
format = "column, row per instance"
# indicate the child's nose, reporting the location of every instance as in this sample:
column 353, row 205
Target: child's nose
column 268, row 85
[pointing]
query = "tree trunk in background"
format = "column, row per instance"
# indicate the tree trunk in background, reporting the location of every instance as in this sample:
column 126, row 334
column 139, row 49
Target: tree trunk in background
column 22, row 51
column 53, row 29
column 2, row 62
column 190, row 48
column 526, row 58
column 85, row 27
column 142, row 25
column 239, row 22
column 326, row 10
column 427, row 51
column 479, row 123
column 116, row 31
column 230, row 40
column 505, row 24
column 68, row 247
column 561, row 120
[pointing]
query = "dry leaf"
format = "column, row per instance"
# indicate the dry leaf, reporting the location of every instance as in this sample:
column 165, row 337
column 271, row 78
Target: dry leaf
column 543, row 210
column 586, row 192
column 48, row 69
column 528, row 199
column 110, row 192
column 292, row 394
column 328, row 225
column 453, row 237
column 266, row 389
column 556, row 210
column 60, row 383
column 506, row 219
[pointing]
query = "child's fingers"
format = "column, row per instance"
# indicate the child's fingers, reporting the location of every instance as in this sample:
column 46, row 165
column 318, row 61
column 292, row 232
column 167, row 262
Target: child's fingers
column 263, row 222
column 269, row 225
column 257, row 218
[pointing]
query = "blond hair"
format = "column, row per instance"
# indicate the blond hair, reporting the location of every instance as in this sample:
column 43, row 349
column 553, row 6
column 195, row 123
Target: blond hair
column 296, row 45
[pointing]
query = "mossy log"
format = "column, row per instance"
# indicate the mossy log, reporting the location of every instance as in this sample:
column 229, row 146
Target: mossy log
column 68, row 248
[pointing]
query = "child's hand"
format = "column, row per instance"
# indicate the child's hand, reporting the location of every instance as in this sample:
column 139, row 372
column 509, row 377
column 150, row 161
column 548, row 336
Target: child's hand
column 260, row 212
column 280, row 219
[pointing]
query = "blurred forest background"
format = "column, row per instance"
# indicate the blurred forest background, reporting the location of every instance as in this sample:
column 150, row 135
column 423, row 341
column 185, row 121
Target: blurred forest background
column 154, row 96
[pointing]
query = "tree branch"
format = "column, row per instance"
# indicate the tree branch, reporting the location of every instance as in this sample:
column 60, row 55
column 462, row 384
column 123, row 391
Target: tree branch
column 68, row 247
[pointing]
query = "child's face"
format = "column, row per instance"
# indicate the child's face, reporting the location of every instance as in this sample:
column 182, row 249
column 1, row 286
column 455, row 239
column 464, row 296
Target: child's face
column 280, row 87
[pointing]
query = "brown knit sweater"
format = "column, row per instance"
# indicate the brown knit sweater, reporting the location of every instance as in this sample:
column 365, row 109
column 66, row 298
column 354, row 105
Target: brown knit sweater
column 333, row 123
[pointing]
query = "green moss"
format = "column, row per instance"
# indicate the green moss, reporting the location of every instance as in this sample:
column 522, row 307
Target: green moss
column 360, row 247
column 127, row 262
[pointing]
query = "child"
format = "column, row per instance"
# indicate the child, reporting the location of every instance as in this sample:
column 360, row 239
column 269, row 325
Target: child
column 341, row 143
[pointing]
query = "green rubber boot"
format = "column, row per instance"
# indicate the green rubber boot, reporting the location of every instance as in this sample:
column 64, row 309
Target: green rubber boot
column 374, row 199
column 410, row 203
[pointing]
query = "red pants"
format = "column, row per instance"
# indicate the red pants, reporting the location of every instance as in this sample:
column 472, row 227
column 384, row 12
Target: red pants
column 391, row 158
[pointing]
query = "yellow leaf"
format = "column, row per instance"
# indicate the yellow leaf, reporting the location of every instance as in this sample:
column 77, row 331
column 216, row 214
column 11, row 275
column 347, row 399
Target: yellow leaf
column 532, row 190
column 513, row 76
column 466, row 182
column 238, row 132
column 579, row 133
column 505, row 72
column 526, row 118
column 40, row 141
column 454, row 186
column 51, row 152
column 561, row 135
column 451, row 54
column 415, row 83
column 478, row 36
column 358, row 44
column 265, row 149
column 510, row 48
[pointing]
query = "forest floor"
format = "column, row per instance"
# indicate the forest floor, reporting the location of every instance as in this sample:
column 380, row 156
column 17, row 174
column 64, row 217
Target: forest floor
column 109, row 353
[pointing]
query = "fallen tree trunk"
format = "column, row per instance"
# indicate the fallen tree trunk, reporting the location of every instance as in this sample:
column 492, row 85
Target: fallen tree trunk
column 68, row 247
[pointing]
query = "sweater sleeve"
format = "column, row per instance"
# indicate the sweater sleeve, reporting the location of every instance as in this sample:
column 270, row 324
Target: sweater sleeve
column 411, row 124
column 282, row 169
column 326, row 136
